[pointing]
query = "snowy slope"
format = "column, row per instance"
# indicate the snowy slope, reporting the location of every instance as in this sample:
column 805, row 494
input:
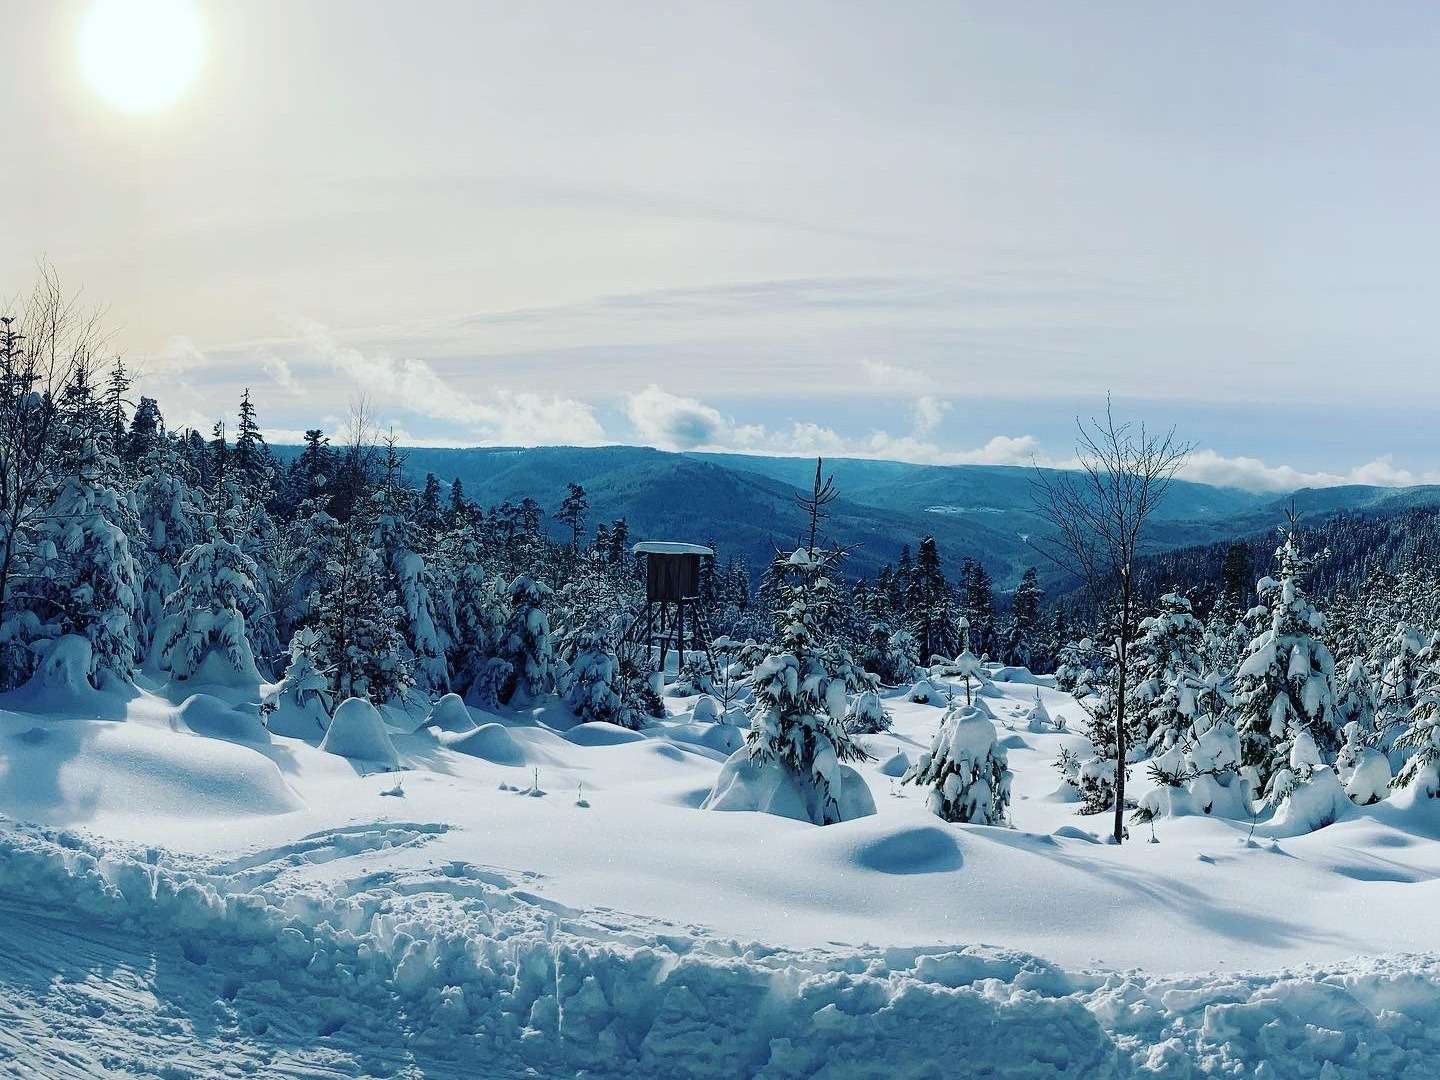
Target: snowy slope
column 472, row 909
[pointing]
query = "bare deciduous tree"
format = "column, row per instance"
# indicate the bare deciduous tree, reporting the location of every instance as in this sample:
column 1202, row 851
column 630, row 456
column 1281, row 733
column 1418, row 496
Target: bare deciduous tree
column 40, row 351
column 1098, row 512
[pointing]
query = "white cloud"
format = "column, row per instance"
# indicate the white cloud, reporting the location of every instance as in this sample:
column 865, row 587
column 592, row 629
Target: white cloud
column 929, row 411
column 1252, row 474
column 278, row 368
column 672, row 422
column 504, row 417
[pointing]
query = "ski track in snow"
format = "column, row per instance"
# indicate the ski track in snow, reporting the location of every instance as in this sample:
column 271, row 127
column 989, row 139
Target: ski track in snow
column 128, row 961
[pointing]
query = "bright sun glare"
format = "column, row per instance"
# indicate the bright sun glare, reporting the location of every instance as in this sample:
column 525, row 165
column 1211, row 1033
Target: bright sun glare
column 140, row 55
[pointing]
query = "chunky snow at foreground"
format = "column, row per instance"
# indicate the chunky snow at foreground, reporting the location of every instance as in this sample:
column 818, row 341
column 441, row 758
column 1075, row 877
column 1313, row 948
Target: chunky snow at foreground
column 549, row 900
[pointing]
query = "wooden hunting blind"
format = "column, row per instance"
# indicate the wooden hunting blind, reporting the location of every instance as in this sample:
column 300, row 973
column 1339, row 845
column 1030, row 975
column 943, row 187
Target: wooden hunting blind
column 672, row 593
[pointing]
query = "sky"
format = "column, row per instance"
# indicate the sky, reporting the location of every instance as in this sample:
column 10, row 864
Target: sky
column 929, row 231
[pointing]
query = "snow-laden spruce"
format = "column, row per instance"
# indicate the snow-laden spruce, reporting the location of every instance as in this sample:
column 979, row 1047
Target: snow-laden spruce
column 82, row 578
column 1284, row 687
column 793, row 761
column 594, row 685
column 525, row 643
column 204, row 634
column 966, row 769
column 1168, row 661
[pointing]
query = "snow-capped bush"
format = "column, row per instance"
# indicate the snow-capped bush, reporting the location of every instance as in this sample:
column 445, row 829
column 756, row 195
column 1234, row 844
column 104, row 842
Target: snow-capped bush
column 867, row 715
column 298, row 704
column 926, row 692
column 450, row 714
column 707, row 711
column 966, row 769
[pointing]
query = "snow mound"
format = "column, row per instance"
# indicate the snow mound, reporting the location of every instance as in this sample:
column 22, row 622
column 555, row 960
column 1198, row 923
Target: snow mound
column 298, row 721
column 724, row 738
column 896, row 764
column 207, row 715
column 99, row 770
column 924, row 850
column 1021, row 675
column 357, row 732
column 600, row 733
column 450, row 714
column 493, row 742
column 770, row 788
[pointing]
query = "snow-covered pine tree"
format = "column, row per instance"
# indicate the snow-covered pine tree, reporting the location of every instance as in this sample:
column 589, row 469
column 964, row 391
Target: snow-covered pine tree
column 204, row 632
column 299, row 705
column 398, row 538
column 892, row 657
column 1285, row 685
column 977, row 602
column 867, row 715
column 480, row 615
column 1355, row 700
column 82, row 576
column 1400, row 669
column 799, row 704
column 595, row 685
column 525, row 643
column 928, row 602
column 1022, row 643
column 1168, row 663
column 172, row 520
column 966, row 768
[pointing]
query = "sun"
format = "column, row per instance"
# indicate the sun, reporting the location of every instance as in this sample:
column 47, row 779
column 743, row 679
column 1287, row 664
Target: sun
column 140, row 55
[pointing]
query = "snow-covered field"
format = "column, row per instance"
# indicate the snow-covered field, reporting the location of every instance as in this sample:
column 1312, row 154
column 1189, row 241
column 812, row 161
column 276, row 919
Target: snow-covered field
column 198, row 898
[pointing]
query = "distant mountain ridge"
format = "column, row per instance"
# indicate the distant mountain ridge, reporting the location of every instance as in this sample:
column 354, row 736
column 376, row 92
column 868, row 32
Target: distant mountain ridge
column 745, row 503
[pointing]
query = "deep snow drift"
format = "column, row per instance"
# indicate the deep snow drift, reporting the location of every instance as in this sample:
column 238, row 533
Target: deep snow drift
column 533, row 894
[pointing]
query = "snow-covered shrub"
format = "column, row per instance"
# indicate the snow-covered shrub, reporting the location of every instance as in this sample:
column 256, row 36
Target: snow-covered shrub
column 1310, row 804
column 966, row 768
column 298, row 705
column 65, row 665
column 707, row 710
column 204, row 633
column 926, row 692
column 892, row 657
column 867, row 715
column 1095, row 781
column 1038, row 719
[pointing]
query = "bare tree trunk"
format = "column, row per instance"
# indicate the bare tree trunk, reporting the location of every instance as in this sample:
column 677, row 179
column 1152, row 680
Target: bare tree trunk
column 1098, row 512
